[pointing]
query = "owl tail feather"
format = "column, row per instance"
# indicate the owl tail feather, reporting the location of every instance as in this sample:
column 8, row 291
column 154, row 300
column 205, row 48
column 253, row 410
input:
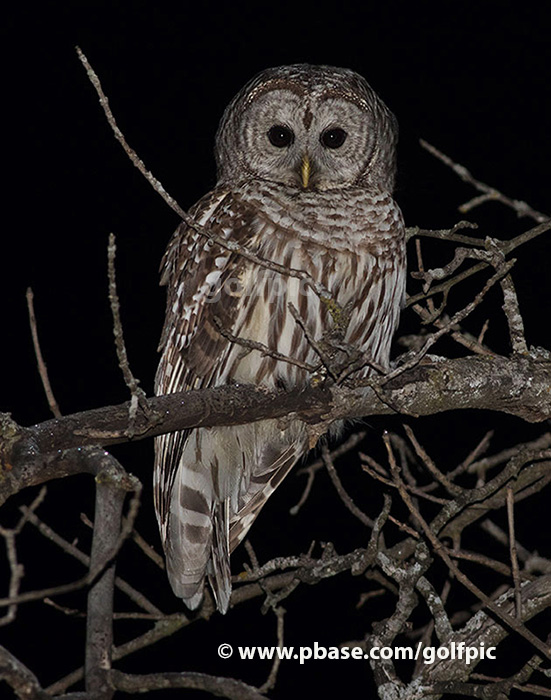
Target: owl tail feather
column 187, row 587
column 189, row 584
column 219, row 570
column 188, row 534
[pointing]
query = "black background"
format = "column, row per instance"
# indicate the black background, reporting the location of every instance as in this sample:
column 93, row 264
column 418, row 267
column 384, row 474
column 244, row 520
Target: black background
column 471, row 78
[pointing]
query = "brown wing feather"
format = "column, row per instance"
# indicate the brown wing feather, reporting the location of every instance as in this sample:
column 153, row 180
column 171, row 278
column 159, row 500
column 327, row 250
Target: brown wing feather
column 190, row 343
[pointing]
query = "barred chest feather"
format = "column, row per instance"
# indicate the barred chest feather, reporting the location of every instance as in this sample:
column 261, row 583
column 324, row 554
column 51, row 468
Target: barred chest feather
column 354, row 250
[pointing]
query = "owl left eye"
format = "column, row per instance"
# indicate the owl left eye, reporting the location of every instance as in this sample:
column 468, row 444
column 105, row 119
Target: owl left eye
column 280, row 136
column 333, row 138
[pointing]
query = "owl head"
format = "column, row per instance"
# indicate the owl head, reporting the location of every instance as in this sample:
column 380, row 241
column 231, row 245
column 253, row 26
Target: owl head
column 309, row 128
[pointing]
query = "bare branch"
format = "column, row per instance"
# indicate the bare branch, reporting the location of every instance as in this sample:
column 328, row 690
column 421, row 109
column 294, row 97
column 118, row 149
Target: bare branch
column 23, row 681
column 271, row 680
column 513, row 316
column 162, row 629
column 173, row 204
column 483, row 628
column 99, row 622
column 221, row 687
column 515, row 385
column 439, row 548
column 137, row 393
column 313, row 468
column 148, row 550
column 447, row 234
column 513, row 550
column 130, row 152
column 489, row 193
column 103, row 466
column 506, row 247
column 42, row 369
column 440, row 499
column 456, row 318
column 75, row 552
column 16, row 569
column 345, row 498
column 264, row 350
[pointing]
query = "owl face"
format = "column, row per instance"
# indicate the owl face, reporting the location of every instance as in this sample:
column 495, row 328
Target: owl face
column 309, row 128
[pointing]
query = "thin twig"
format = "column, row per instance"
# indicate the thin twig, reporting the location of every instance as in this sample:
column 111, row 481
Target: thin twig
column 483, row 330
column 148, row 550
column 488, row 562
column 138, row 397
column 483, row 465
column 367, row 467
column 17, row 570
column 421, row 269
column 230, row 245
column 252, row 554
column 480, row 448
column 513, row 550
column 447, row 234
column 441, row 550
column 345, row 498
column 272, row 677
column 264, row 350
column 456, row 318
column 311, row 340
column 105, row 470
column 130, row 152
column 505, row 247
column 313, row 468
column 513, row 316
column 42, row 369
column 442, row 479
column 75, row 552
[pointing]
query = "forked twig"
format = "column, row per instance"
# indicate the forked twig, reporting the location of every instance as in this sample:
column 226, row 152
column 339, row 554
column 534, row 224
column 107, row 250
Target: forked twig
column 488, row 193
column 441, row 550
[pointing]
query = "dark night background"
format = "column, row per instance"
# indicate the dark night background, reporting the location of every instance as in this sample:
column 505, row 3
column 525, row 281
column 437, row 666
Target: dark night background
column 471, row 78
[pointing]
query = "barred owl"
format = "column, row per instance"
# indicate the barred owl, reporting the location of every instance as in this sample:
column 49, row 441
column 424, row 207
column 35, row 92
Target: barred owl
column 306, row 161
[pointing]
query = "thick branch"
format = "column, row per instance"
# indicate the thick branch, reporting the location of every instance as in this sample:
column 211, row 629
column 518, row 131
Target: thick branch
column 481, row 628
column 220, row 687
column 519, row 386
column 99, row 625
column 23, row 681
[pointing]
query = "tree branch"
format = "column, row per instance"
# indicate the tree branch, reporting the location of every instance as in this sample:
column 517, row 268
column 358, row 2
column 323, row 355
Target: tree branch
column 20, row 678
column 220, row 687
column 519, row 386
column 99, row 624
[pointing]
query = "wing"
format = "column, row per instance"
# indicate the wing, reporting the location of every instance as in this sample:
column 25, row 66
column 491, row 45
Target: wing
column 195, row 269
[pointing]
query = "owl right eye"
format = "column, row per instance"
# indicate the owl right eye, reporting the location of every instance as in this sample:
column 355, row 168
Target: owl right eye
column 280, row 136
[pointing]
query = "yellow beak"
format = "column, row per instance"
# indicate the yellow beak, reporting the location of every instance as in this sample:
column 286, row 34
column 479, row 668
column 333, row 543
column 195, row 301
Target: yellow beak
column 305, row 169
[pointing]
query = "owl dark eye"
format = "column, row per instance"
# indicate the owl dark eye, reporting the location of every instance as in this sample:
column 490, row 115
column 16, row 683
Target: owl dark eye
column 333, row 138
column 280, row 136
